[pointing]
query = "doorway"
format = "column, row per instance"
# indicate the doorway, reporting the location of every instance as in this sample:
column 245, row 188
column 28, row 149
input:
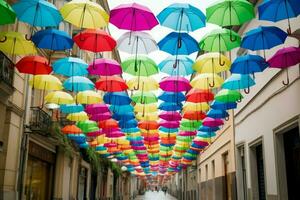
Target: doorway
column 260, row 172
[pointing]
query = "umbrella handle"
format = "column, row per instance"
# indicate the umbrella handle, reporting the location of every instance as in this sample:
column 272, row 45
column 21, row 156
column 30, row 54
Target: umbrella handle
column 138, row 86
column 247, row 90
column 232, row 39
column 240, row 100
column 287, row 78
column 220, row 61
column 226, row 118
column 28, row 37
column 5, row 38
column 179, row 43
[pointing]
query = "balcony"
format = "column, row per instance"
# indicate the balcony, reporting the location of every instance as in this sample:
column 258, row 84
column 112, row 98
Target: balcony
column 40, row 121
column 6, row 74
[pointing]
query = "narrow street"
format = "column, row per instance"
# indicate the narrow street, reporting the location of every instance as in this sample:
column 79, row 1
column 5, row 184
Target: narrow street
column 149, row 195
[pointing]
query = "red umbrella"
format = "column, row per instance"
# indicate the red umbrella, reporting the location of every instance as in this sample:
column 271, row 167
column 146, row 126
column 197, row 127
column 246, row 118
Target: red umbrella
column 110, row 123
column 34, row 65
column 198, row 96
column 194, row 115
column 111, row 84
column 95, row 41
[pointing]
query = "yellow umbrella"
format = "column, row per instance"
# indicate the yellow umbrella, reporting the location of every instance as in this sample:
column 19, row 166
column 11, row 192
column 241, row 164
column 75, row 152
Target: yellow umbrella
column 79, row 116
column 210, row 63
column 206, row 81
column 143, row 84
column 45, row 82
column 148, row 131
column 15, row 43
column 85, row 14
column 59, row 97
column 147, row 116
column 88, row 97
column 189, row 106
column 145, row 108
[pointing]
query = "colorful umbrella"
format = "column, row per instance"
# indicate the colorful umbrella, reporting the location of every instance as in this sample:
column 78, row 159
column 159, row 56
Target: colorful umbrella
column 7, row 14
column 170, row 116
column 71, row 108
column 78, row 83
column 84, row 14
column 239, row 81
column 206, row 81
column 96, row 108
column 33, row 65
column 148, row 84
column 226, row 95
column 145, row 108
column 133, row 17
column 169, row 106
column 223, row 105
column 188, row 106
column 182, row 17
column 216, row 113
column 71, row 129
column 88, row 97
column 45, row 82
column 209, row 63
column 14, row 43
column 211, row 122
column 121, row 109
column 76, row 117
column 104, row 67
column 177, row 66
column 144, row 97
column 70, row 66
column 139, row 66
column 172, row 96
column 108, row 124
column 148, row 125
column 87, row 126
column 175, row 84
column 100, row 116
column 117, row 98
column 198, row 96
column 59, row 97
column 111, row 84
column 284, row 58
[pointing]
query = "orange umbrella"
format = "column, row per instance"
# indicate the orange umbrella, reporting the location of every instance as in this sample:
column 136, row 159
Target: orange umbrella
column 108, row 124
column 71, row 129
column 194, row 115
column 148, row 125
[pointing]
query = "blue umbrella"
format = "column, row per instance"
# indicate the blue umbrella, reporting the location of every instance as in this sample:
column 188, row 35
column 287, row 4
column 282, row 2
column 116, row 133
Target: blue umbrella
column 248, row 64
column 217, row 113
column 37, row 13
column 126, row 116
column 206, row 134
column 121, row 109
column 71, row 108
column 168, row 130
column 223, row 106
column 177, row 66
column 70, row 66
column 78, row 83
column 130, row 130
column 182, row 17
column 208, row 129
column 116, row 98
column 239, row 81
column 179, row 44
column 172, row 97
column 52, row 39
column 167, row 106
column 263, row 37
column 276, row 10
column 128, row 124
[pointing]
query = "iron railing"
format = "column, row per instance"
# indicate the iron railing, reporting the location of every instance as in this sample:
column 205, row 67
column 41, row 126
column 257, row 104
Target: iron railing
column 6, row 69
column 40, row 121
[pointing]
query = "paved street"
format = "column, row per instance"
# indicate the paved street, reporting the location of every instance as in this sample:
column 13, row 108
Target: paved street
column 155, row 195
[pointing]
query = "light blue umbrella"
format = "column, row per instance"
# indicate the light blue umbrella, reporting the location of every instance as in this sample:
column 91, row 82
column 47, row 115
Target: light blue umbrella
column 177, row 65
column 70, row 66
column 37, row 13
column 182, row 17
column 78, row 83
column 248, row 64
column 71, row 108
column 239, row 81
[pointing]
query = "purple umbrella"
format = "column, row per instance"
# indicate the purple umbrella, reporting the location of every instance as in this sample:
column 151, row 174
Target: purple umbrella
column 284, row 58
column 100, row 116
column 175, row 84
column 211, row 122
column 169, row 124
column 104, row 67
column 133, row 17
column 96, row 108
column 170, row 116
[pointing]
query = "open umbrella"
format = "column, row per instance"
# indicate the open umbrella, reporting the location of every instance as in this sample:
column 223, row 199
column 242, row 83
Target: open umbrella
column 59, row 97
column 7, row 14
column 239, row 81
column 209, row 63
column 46, row 82
column 104, row 67
column 169, row 106
column 182, row 17
column 70, row 66
column 117, row 98
column 84, row 14
column 175, row 84
column 216, row 113
column 71, row 129
column 111, row 84
column 263, row 37
column 206, row 81
column 33, row 65
column 88, row 97
column 145, row 108
column 121, row 109
column 146, row 83
column 198, row 96
column 183, row 67
column 87, row 126
column 223, row 105
column 226, row 96
column 172, row 96
column 96, row 108
column 133, row 17
column 71, row 108
column 139, row 66
column 212, row 122
column 78, row 83
column 188, row 106
column 144, row 97
column 170, row 116
column 76, row 117
column 14, row 43
column 284, row 58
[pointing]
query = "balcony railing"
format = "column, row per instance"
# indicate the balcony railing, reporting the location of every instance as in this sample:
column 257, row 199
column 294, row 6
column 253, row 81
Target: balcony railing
column 6, row 69
column 40, row 121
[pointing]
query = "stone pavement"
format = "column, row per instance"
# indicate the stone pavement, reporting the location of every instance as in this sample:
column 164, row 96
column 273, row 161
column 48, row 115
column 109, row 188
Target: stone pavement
column 149, row 195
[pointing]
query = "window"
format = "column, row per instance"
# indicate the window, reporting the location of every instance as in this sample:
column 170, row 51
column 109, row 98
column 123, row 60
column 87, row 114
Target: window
column 213, row 169
column 206, row 172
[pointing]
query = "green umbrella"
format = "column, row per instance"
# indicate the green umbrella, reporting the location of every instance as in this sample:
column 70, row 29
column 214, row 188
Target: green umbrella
column 144, row 97
column 220, row 40
column 187, row 128
column 7, row 14
column 87, row 126
column 190, row 123
column 230, row 12
column 226, row 96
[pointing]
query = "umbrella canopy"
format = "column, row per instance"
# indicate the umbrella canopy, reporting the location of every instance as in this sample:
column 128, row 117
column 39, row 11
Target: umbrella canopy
column 71, row 129
column 148, row 125
column 195, row 106
column 182, row 17
column 143, row 84
column 223, row 105
column 137, row 43
column 88, row 97
column 45, row 82
column 14, row 43
column 168, row 106
column 108, row 124
column 144, row 97
column 212, row 63
column 238, row 81
column 96, row 108
column 59, row 97
column 211, row 122
column 206, row 81
column 178, row 44
column 111, row 84
column 133, row 17
column 121, row 109
column 230, row 12
column 172, row 96
column 33, row 65
column 71, row 108
column 78, row 83
column 34, row 12
column 198, row 95
column 170, row 116
column 117, row 98
column 84, row 14
column 87, row 126
column 139, row 66
column 7, row 14
column 147, row 116
column 76, row 117
column 104, row 67
column 177, row 65
column 70, row 66
column 226, row 95
column 216, row 113
column 52, row 39
column 100, row 116
column 145, row 108
column 248, row 64
column 175, row 84
column 95, row 41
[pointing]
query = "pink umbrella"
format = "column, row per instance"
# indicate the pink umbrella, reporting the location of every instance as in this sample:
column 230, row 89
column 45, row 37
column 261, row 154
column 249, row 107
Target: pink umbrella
column 96, row 108
column 187, row 133
column 115, row 134
column 104, row 67
column 169, row 124
column 201, row 143
column 110, row 144
column 151, row 139
column 139, row 148
column 284, row 58
column 170, row 116
column 211, row 122
column 100, row 116
column 133, row 17
column 175, row 84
